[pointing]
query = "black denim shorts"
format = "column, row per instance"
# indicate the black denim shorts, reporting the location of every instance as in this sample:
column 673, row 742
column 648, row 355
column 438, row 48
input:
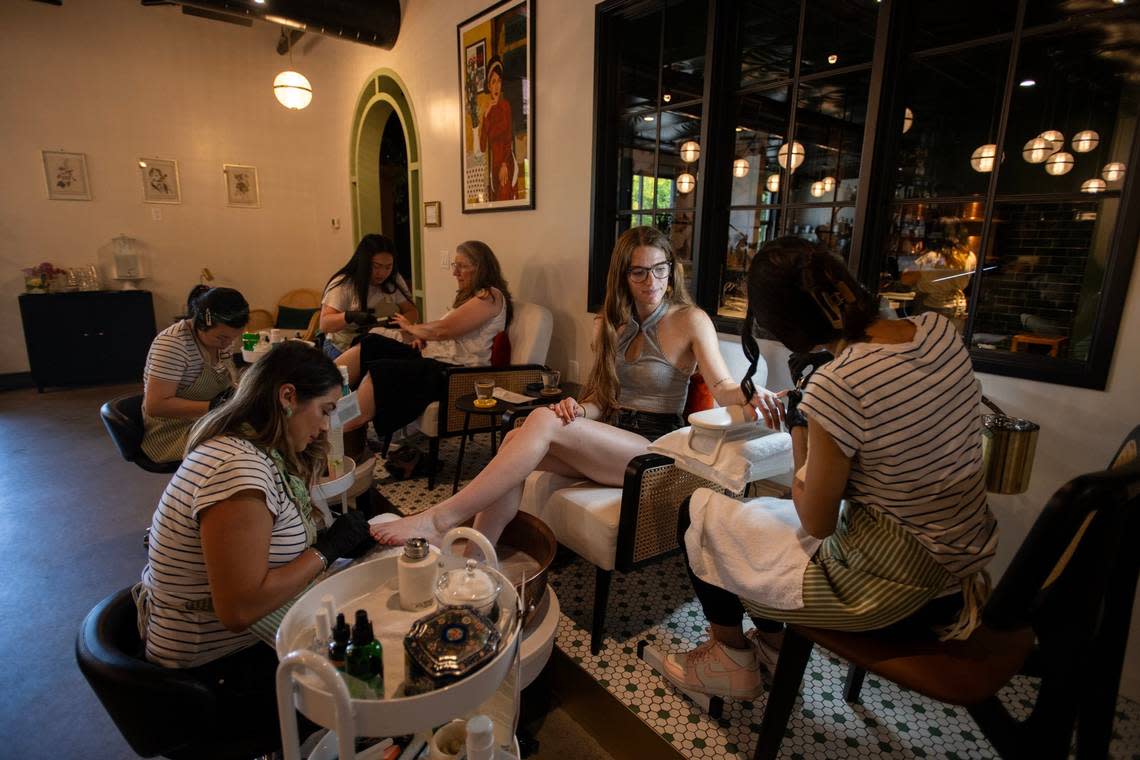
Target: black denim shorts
column 651, row 425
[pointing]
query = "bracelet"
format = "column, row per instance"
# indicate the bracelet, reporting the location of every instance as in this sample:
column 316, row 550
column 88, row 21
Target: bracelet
column 324, row 560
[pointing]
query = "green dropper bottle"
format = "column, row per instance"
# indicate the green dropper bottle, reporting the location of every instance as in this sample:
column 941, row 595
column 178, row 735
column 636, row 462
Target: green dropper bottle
column 338, row 647
column 365, row 659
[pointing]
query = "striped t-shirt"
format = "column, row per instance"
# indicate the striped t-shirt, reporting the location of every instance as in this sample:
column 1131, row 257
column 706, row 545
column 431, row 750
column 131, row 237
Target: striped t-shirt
column 175, row 572
column 908, row 415
column 174, row 356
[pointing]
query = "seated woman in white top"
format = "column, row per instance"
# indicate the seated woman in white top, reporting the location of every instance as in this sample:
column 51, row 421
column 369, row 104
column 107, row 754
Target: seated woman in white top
column 189, row 370
column 396, row 380
column 234, row 536
column 891, row 428
column 356, row 291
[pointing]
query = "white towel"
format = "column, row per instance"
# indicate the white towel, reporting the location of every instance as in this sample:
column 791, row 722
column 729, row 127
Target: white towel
column 739, row 462
column 756, row 549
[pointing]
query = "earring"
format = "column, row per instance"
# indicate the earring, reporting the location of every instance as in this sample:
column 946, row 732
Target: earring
column 288, row 411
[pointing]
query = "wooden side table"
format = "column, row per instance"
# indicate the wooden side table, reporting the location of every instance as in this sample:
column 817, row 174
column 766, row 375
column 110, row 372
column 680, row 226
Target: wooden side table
column 1021, row 340
column 466, row 404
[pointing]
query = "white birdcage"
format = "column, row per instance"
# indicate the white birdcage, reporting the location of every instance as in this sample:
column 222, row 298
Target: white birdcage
column 128, row 262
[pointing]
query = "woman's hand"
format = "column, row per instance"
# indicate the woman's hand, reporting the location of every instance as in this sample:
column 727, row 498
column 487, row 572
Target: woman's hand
column 568, row 410
column 402, row 322
column 769, row 406
column 419, row 344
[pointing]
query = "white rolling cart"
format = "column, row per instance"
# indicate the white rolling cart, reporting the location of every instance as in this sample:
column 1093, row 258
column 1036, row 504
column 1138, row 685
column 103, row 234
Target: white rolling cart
column 308, row 682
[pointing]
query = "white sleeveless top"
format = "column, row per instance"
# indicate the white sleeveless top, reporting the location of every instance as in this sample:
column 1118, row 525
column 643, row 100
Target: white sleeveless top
column 474, row 348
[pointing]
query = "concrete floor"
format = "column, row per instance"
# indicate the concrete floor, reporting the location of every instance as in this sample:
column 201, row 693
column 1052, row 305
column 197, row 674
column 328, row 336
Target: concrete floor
column 72, row 517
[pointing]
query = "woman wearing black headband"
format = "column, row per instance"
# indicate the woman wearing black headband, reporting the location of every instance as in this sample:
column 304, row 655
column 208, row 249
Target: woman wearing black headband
column 189, row 370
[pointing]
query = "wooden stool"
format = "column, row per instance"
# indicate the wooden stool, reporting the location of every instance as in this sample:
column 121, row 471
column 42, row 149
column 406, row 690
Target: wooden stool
column 1019, row 341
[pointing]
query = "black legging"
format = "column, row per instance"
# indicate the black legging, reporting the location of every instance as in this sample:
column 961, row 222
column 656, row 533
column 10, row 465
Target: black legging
column 720, row 607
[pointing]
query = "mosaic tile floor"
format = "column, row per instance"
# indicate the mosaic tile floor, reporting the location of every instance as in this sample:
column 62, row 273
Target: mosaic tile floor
column 890, row 722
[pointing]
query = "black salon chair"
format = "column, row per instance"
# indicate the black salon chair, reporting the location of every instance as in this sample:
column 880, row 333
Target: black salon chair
column 159, row 711
column 123, row 419
column 1061, row 613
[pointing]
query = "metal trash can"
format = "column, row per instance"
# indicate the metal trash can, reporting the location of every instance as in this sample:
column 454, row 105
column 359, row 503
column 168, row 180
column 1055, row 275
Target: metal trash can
column 1008, row 447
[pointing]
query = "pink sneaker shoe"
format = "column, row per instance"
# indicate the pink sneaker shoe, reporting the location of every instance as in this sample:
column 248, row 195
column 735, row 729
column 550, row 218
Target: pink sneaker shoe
column 717, row 670
column 766, row 652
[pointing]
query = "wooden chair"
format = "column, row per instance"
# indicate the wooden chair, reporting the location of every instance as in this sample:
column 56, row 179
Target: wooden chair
column 259, row 319
column 303, row 298
column 1061, row 612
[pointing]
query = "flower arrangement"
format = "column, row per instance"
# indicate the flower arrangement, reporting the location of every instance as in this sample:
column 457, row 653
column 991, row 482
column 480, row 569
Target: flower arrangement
column 37, row 278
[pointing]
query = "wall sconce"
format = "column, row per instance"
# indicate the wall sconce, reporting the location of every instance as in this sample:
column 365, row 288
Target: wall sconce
column 690, row 151
column 1113, row 172
column 740, row 168
column 790, row 156
column 1085, row 141
column 1093, row 186
column 982, row 159
column 686, row 182
column 1059, row 163
column 773, row 183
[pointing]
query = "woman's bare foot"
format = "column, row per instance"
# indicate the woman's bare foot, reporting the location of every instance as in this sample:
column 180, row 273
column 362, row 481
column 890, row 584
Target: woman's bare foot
column 422, row 525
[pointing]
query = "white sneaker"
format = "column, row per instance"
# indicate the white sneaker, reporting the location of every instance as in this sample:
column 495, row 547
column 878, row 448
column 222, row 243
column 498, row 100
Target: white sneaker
column 717, row 670
column 767, row 653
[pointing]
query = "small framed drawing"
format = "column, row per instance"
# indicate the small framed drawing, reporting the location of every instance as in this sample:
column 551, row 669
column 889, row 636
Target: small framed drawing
column 433, row 217
column 241, row 186
column 66, row 175
column 160, row 182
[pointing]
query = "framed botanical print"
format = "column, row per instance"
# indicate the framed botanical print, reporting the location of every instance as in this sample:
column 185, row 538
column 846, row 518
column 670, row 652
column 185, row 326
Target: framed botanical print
column 66, row 176
column 496, row 87
column 242, row 189
column 160, row 182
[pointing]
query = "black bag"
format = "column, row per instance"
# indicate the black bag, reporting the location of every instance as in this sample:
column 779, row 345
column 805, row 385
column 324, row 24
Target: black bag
column 403, row 462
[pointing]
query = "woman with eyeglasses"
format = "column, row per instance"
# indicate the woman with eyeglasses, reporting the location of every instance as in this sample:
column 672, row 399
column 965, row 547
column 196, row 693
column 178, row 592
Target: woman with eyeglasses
column 649, row 339
column 397, row 380
column 189, row 369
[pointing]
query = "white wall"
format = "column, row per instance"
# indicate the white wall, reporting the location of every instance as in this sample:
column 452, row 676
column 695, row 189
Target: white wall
column 118, row 81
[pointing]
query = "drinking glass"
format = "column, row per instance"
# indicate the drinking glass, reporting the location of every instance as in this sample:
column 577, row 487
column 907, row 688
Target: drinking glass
column 550, row 380
column 484, row 388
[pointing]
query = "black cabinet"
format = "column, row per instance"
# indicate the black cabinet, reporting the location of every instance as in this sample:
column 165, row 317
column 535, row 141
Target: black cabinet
column 87, row 338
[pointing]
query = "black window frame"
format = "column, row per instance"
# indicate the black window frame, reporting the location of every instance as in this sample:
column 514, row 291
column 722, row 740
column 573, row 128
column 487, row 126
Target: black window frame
column 874, row 203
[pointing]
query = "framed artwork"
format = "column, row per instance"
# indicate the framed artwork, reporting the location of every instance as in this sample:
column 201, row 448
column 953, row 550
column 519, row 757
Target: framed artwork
column 433, row 217
column 160, row 182
column 66, row 176
column 496, row 89
column 242, row 189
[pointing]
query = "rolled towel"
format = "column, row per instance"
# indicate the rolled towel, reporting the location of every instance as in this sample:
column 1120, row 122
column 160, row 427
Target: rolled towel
column 737, row 464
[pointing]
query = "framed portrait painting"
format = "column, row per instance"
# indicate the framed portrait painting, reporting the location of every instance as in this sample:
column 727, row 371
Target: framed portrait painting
column 66, row 176
column 160, row 182
column 242, row 189
column 496, row 88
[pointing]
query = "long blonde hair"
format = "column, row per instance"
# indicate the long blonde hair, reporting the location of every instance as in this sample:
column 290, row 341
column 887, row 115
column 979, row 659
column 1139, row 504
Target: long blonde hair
column 602, row 384
column 255, row 412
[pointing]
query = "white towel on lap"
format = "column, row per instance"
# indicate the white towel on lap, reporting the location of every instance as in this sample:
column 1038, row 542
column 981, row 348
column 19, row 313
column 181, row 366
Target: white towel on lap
column 739, row 462
column 756, row 549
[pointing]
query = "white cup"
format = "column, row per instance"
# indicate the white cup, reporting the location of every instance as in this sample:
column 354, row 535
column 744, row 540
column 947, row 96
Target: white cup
column 277, row 335
column 454, row 734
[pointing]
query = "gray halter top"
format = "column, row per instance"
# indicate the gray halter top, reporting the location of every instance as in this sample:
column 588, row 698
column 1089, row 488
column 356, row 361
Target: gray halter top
column 649, row 383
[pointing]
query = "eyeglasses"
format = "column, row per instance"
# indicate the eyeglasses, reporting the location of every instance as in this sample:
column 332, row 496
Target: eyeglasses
column 660, row 271
column 457, row 267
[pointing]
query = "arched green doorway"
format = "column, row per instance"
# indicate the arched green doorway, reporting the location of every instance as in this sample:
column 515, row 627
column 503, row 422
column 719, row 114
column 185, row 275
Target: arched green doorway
column 382, row 98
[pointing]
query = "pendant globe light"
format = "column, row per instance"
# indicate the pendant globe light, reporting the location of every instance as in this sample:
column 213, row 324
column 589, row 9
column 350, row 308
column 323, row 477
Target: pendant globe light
column 773, row 183
column 1093, row 186
column 982, row 159
column 828, row 184
column 1113, row 172
column 908, row 120
column 817, row 189
column 790, row 156
column 1085, row 141
column 291, row 88
column 686, row 182
column 1055, row 137
column 1059, row 163
column 690, row 151
column 1037, row 150
column 740, row 168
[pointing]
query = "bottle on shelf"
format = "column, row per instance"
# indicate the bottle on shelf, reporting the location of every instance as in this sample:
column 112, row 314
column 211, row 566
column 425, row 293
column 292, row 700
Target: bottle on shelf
column 364, row 660
column 338, row 647
column 480, row 738
column 416, row 571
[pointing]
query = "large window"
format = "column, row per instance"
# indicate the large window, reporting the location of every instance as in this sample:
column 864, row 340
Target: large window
column 874, row 129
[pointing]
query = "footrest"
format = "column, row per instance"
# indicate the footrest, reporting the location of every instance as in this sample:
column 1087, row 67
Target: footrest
column 655, row 658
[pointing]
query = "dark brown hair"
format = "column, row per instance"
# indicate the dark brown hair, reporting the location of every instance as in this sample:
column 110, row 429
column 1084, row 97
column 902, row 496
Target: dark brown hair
column 487, row 275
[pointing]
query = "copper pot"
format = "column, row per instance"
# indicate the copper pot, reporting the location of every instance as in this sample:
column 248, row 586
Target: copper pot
column 531, row 536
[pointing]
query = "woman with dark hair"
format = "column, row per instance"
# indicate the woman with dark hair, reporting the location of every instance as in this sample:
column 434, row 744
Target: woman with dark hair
column 497, row 137
column 890, row 426
column 396, row 380
column 648, row 341
column 356, row 291
column 235, row 536
column 189, row 370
